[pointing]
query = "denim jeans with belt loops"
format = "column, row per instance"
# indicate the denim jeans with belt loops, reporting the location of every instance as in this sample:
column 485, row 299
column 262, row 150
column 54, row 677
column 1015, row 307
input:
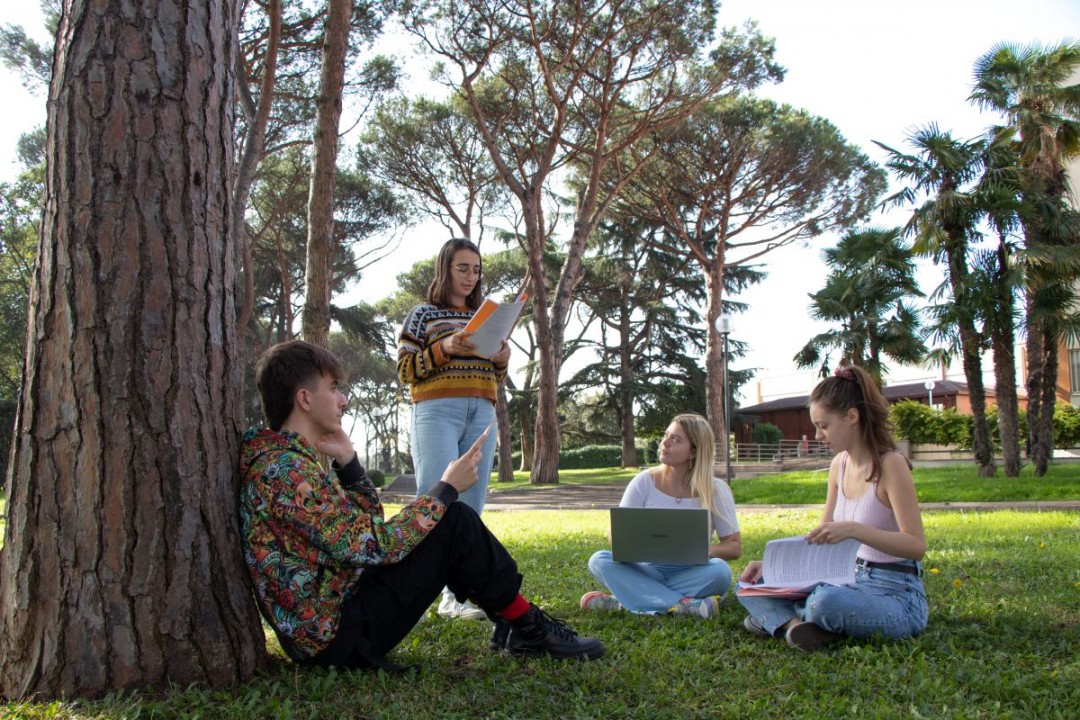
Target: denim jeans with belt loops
column 442, row 430
column 888, row 603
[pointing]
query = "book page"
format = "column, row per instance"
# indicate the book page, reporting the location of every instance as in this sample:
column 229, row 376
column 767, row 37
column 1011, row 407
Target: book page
column 492, row 324
column 794, row 563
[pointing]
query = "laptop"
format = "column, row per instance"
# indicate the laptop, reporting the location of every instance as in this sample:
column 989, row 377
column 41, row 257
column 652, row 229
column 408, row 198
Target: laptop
column 660, row 535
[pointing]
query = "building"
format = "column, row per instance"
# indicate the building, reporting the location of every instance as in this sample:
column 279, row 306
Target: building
column 792, row 414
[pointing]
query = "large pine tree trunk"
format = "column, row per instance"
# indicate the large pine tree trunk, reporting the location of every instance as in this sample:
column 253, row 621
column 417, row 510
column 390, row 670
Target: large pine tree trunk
column 626, row 381
column 505, row 458
column 714, row 360
column 121, row 565
column 321, row 247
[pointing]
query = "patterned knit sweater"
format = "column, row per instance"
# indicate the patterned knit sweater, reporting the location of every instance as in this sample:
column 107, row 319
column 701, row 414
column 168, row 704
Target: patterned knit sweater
column 428, row 371
column 307, row 536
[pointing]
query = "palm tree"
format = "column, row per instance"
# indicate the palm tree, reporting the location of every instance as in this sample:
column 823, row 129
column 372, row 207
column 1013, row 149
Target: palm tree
column 871, row 272
column 941, row 171
column 999, row 195
column 1030, row 87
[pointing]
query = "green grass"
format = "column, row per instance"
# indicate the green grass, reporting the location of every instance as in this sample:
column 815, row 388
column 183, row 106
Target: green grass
column 948, row 483
column 944, row 483
column 1004, row 632
column 592, row 476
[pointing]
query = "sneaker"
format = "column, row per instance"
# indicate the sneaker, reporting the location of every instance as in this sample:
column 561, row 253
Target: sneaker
column 537, row 632
column 753, row 626
column 450, row 607
column 705, row 607
column 500, row 633
column 809, row 637
column 599, row 601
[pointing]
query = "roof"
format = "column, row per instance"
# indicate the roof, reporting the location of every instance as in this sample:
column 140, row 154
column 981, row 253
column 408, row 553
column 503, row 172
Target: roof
column 893, row 393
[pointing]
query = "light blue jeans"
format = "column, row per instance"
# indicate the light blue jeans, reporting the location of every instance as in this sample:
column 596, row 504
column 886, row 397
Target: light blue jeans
column 881, row 602
column 442, row 430
column 656, row 588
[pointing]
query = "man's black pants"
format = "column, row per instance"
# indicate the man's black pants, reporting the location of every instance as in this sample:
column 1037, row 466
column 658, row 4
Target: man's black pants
column 460, row 553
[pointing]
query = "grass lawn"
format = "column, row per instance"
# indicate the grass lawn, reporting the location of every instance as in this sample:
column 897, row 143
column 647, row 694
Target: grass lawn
column 1003, row 642
column 943, row 483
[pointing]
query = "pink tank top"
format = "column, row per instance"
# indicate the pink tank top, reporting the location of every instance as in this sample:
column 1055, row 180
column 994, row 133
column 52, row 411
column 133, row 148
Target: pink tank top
column 868, row 510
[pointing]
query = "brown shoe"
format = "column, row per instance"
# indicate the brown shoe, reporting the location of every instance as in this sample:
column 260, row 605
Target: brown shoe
column 809, row 637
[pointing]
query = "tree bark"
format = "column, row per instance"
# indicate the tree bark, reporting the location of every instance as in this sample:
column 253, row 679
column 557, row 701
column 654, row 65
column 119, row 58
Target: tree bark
column 258, row 114
column 321, row 249
column 506, row 453
column 970, row 352
column 1042, row 420
column 121, row 565
column 714, row 357
column 1003, row 342
column 626, row 376
column 1036, row 449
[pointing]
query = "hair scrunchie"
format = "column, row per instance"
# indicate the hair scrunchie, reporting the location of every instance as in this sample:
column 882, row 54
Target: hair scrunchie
column 844, row 372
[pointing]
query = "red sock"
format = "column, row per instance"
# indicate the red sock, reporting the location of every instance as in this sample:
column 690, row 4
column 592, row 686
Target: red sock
column 516, row 609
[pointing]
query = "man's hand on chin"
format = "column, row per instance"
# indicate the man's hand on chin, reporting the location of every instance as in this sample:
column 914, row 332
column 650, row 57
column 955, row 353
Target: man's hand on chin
column 337, row 445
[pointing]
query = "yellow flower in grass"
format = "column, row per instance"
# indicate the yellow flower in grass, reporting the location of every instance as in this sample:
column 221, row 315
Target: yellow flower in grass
column 933, row 571
column 957, row 582
column 1077, row 583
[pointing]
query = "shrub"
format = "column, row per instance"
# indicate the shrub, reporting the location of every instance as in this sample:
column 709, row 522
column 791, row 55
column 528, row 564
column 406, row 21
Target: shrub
column 583, row 458
column 766, row 434
column 378, row 477
column 922, row 424
column 1066, row 426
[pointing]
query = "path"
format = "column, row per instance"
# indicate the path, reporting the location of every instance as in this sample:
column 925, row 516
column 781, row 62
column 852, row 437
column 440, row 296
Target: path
column 569, row 496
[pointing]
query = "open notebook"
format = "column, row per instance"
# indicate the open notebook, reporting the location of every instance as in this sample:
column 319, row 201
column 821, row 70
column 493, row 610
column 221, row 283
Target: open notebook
column 660, row 535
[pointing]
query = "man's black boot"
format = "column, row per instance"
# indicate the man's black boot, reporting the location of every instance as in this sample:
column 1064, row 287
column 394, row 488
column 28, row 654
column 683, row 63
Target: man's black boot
column 537, row 632
column 500, row 633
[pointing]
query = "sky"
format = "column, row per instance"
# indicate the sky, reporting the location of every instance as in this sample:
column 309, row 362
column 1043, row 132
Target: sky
column 876, row 70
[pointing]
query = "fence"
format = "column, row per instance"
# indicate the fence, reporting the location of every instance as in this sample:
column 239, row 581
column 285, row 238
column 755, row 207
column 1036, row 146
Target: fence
column 785, row 449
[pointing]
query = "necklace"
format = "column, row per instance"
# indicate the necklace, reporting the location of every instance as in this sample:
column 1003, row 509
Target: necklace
column 678, row 487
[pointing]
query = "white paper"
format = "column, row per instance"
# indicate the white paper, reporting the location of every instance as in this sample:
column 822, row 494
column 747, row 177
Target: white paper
column 794, row 563
column 493, row 326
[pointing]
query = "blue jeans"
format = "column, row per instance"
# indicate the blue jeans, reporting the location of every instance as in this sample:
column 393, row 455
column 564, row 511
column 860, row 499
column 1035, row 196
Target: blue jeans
column 442, row 430
column 881, row 602
column 656, row 588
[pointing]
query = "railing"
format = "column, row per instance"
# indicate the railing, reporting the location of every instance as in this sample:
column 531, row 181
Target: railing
column 773, row 452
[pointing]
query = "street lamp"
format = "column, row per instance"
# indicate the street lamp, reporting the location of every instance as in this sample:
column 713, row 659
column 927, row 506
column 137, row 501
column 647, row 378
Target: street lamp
column 929, row 385
column 723, row 326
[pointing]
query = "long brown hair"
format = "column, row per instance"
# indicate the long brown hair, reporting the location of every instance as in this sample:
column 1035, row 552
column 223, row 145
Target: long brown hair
column 849, row 388
column 438, row 292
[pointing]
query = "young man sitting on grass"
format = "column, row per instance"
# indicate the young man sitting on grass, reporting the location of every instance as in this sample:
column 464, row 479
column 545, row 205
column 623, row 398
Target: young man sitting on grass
column 340, row 583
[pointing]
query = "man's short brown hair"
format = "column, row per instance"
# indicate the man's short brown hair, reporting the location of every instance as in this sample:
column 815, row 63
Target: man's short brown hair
column 285, row 368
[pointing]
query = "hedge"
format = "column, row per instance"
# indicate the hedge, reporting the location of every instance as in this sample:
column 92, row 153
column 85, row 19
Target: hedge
column 589, row 456
column 921, row 424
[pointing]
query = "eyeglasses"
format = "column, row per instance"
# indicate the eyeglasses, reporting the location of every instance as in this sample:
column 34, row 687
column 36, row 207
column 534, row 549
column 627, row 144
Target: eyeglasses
column 467, row 270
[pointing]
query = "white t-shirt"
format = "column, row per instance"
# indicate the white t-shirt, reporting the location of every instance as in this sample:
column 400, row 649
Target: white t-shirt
column 642, row 492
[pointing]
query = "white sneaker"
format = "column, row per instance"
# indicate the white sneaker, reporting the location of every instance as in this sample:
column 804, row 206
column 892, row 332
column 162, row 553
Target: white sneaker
column 450, row 607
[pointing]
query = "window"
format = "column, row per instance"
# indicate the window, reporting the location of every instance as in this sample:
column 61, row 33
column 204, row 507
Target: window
column 1074, row 370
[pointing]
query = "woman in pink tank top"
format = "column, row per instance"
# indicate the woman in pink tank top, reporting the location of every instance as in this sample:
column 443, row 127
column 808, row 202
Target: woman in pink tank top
column 871, row 498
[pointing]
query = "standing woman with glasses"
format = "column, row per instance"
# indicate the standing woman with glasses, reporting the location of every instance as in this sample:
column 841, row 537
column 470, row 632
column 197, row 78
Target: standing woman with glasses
column 453, row 389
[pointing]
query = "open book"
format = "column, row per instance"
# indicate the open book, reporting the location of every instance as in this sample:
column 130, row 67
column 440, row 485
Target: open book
column 492, row 324
column 792, row 567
